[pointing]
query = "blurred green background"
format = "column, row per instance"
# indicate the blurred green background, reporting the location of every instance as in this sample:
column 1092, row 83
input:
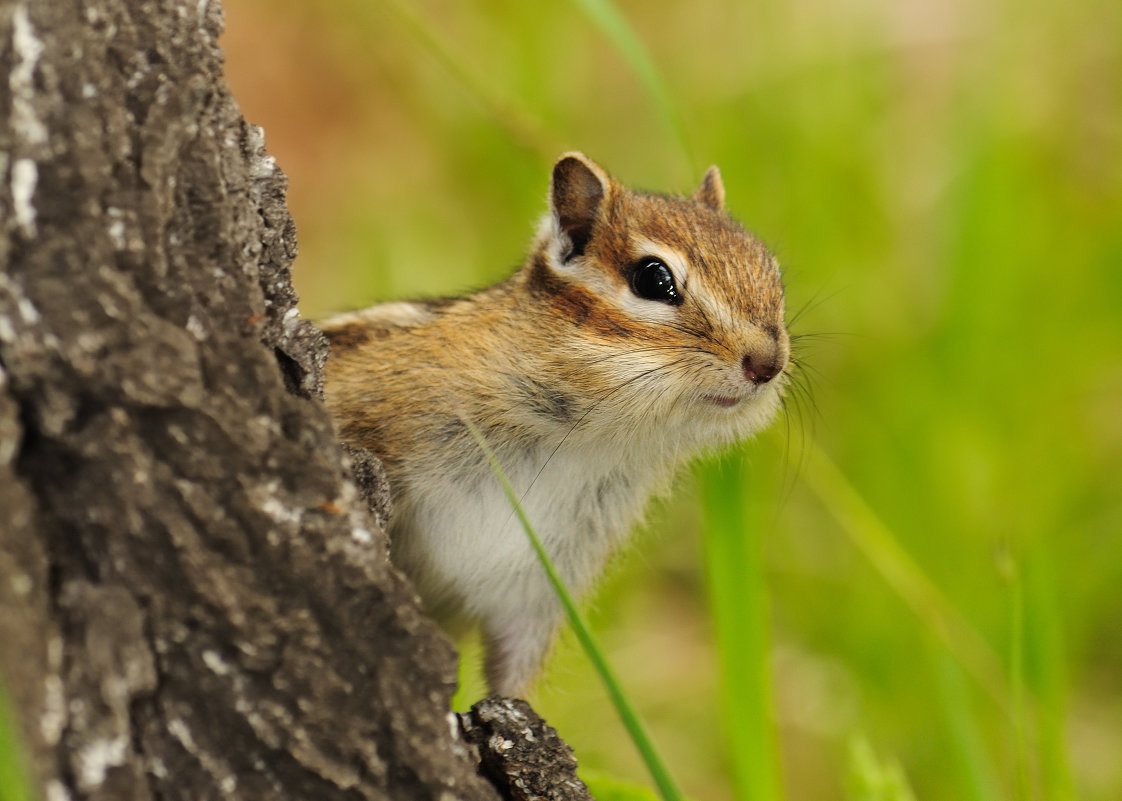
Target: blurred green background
column 915, row 579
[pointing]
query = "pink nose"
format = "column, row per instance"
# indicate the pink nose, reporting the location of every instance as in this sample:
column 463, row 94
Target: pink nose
column 760, row 366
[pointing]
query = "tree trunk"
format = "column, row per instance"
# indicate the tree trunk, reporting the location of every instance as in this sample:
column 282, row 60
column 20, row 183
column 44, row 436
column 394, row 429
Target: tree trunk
column 195, row 601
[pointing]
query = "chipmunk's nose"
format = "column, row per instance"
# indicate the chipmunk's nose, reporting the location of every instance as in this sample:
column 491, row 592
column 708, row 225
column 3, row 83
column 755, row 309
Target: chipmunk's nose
column 763, row 362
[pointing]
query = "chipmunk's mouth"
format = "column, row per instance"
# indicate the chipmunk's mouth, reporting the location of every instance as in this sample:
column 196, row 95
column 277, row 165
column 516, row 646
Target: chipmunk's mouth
column 724, row 401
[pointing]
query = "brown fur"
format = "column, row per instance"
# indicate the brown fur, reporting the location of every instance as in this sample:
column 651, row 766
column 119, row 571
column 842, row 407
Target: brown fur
column 565, row 353
column 385, row 382
column 346, row 337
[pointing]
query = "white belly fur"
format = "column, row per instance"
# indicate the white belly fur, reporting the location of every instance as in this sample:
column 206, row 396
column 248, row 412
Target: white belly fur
column 460, row 541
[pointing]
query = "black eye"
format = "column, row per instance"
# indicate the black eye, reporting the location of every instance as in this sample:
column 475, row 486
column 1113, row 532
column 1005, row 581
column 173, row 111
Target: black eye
column 652, row 280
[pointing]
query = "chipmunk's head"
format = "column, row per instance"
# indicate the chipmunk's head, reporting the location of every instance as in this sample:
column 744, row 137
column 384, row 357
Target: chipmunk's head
column 674, row 312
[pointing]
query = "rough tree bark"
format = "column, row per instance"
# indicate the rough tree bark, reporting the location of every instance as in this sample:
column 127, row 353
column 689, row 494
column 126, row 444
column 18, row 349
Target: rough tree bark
column 195, row 601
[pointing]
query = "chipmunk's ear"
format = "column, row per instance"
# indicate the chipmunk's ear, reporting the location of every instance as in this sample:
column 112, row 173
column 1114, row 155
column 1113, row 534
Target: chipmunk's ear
column 576, row 196
column 711, row 193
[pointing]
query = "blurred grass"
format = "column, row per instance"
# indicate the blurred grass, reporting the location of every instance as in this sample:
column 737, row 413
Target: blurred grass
column 736, row 583
column 872, row 779
column 944, row 182
column 14, row 783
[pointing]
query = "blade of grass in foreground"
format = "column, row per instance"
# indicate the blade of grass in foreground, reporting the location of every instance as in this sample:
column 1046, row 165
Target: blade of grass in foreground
column 627, row 714
column 739, row 607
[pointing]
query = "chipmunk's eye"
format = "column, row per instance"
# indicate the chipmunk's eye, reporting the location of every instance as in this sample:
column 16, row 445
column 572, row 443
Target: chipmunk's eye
column 651, row 279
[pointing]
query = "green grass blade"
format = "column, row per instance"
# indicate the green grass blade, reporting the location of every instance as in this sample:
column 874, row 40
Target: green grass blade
column 1009, row 569
column 978, row 779
column 739, row 607
column 635, row 728
column 13, row 777
column 614, row 25
column 522, row 128
column 873, row 779
column 608, row 788
column 1044, row 654
column 900, row 571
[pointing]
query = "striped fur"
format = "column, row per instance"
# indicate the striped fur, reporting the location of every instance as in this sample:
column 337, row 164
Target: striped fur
column 590, row 395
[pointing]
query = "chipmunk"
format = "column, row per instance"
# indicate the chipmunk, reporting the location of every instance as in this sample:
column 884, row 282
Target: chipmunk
column 641, row 330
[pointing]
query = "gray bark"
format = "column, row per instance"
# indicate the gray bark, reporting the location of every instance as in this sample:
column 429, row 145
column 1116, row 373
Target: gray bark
column 195, row 599
column 520, row 754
